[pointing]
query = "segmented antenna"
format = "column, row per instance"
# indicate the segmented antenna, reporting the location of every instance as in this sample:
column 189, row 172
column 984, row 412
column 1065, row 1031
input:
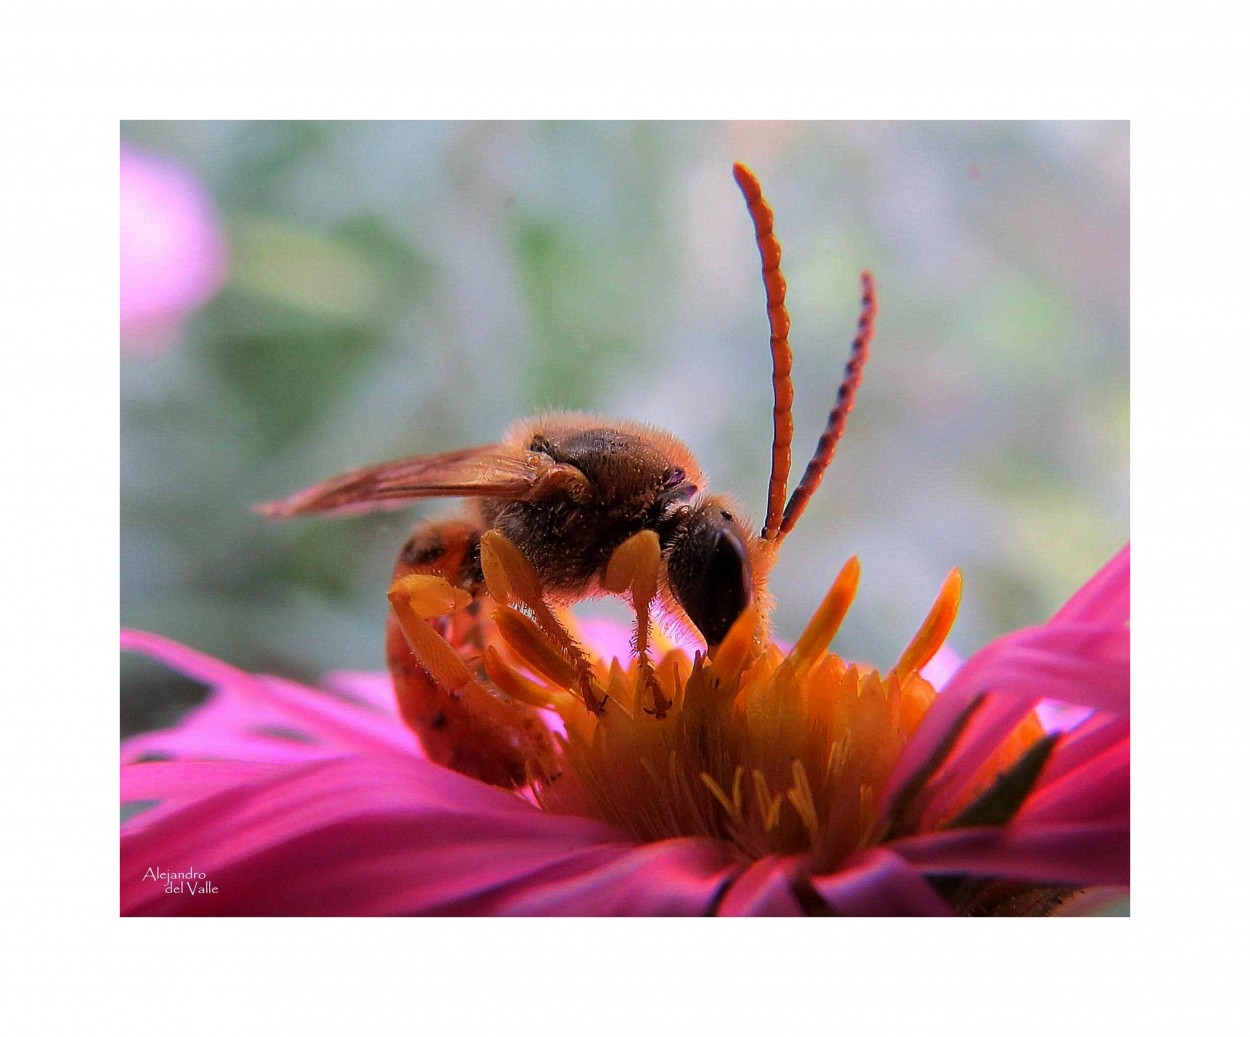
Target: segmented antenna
column 779, row 332
column 841, row 410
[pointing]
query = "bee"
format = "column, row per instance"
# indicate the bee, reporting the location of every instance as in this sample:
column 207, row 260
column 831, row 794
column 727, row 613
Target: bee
column 593, row 506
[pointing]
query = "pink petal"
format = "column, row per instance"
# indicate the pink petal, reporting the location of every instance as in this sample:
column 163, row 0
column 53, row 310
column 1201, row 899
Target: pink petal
column 227, row 727
column 879, row 883
column 1097, row 790
column 992, row 724
column 1090, row 739
column 875, row 883
column 766, row 888
column 187, row 661
column 673, row 877
column 1066, row 661
column 1104, row 599
column 388, row 835
column 1085, row 664
column 1075, row 662
column 251, row 718
column 1076, row 854
column 373, row 689
column 607, row 639
column 177, row 784
column 193, row 779
column 339, row 723
column 986, row 732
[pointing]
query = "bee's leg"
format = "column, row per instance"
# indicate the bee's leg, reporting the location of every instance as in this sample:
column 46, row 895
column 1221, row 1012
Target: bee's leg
column 460, row 722
column 449, row 548
column 634, row 568
column 509, row 574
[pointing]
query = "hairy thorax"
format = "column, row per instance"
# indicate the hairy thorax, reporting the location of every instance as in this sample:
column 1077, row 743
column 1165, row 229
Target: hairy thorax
column 636, row 482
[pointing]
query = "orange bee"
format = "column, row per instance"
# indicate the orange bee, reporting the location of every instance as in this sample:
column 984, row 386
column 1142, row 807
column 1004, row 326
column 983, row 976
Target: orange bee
column 570, row 506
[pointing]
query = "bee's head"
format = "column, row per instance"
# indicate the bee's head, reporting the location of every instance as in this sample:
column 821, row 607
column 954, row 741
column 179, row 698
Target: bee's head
column 709, row 567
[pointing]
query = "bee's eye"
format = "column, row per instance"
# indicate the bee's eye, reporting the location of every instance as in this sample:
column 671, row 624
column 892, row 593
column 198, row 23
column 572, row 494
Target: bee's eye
column 711, row 577
column 674, row 477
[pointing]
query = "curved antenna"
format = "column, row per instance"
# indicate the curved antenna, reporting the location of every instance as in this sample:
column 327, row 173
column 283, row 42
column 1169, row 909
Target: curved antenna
column 779, row 339
column 841, row 410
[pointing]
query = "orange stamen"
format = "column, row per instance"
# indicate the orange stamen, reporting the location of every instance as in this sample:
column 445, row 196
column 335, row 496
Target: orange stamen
column 819, row 632
column 935, row 628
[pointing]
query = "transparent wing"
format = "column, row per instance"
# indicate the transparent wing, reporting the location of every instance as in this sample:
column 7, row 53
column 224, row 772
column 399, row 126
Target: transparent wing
column 485, row 471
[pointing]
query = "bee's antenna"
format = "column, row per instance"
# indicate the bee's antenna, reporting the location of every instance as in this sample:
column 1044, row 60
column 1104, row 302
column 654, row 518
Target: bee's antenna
column 783, row 358
column 841, row 410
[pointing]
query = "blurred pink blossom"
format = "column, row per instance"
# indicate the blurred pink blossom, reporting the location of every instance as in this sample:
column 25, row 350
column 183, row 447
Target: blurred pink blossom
column 173, row 253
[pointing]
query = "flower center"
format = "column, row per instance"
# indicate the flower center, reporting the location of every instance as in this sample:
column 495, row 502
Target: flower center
column 770, row 751
column 766, row 750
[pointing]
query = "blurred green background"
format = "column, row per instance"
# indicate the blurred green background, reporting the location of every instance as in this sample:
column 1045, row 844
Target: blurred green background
column 399, row 288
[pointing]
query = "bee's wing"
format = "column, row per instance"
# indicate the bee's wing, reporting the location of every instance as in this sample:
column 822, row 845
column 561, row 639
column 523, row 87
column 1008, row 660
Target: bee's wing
column 486, row 471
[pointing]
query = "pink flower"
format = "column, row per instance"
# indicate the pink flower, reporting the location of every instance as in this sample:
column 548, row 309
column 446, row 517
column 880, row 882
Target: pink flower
column 173, row 255
column 275, row 798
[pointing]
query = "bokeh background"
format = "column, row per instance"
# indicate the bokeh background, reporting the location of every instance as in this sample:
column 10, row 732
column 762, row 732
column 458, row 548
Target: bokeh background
column 370, row 290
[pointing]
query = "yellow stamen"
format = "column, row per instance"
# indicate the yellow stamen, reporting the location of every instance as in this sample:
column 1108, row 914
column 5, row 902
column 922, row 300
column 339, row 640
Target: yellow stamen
column 770, row 805
column 800, row 796
column 732, row 806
